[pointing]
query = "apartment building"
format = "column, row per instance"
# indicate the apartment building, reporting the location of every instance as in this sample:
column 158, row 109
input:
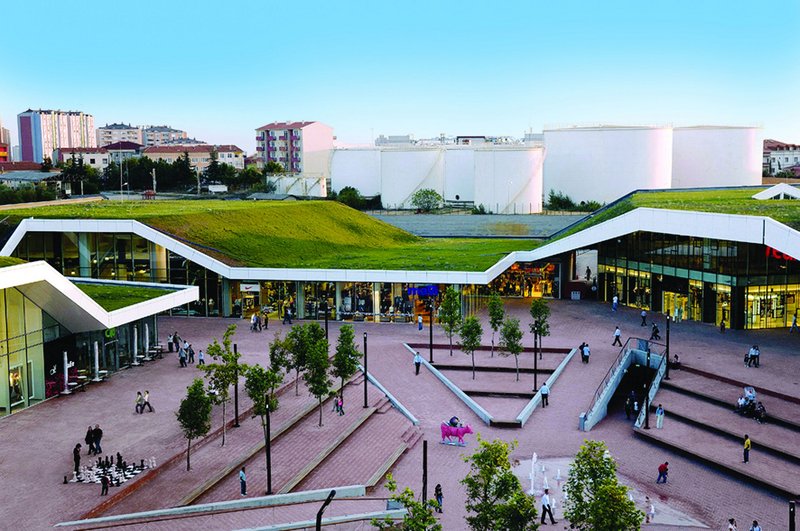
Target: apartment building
column 199, row 156
column 43, row 131
column 780, row 156
column 118, row 133
column 156, row 135
column 97, row 158
column 300, row 147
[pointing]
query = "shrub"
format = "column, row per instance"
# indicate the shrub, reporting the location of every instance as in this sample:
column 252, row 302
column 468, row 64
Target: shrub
column 426, row 199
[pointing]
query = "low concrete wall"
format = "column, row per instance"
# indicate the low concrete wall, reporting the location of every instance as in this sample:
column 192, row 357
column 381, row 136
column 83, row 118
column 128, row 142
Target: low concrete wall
column 395, row 402
column 470, row 403
column 393, row 514
column 350, row 491
column 528, row 410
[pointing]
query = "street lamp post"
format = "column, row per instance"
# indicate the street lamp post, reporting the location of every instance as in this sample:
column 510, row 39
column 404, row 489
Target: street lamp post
column 365, row 370
column 236, row 389
column 322, row 509
column 647, row 394
column 269, row 452
column 430, row 342
column 325, row 303
column 535, row 364
column 666, row 352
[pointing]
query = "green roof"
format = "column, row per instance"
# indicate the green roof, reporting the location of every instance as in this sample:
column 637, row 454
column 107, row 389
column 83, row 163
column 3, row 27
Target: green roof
column 112, row 297
column 301, row 234
column 720, row 201
column 6, row 261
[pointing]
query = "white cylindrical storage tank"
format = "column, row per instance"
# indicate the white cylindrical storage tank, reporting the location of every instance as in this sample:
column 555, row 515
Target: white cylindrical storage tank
column 508, row 180
column 716, row 156
column 356, row 167
column 406, row 170
column 603, row 163
column 459, row 173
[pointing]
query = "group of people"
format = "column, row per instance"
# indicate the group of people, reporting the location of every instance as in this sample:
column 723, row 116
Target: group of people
column 585, row 352
column 143, row 401
column 748, row 405
column 732, row 525
column 93, row 438
column 185, row 351
column 256, row 322
column 753, row 357
column 338, row 404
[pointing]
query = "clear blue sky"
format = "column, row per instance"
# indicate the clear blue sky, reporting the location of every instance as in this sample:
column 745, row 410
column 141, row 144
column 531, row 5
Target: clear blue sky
column 220, row 69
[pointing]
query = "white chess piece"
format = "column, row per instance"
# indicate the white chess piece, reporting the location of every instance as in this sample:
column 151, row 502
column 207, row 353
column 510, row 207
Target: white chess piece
column 558, row 475
column 74, row 476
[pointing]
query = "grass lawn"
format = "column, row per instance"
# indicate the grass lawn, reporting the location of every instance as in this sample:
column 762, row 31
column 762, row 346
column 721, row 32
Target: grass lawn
column 115, row 297
column 6, row 261
column 302, row 234
column 728, row 201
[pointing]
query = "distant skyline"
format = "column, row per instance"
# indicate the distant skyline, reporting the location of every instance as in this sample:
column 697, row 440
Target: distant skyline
column 219, row 71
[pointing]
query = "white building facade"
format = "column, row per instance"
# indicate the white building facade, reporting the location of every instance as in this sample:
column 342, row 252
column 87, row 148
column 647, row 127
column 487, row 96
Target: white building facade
column 118, row 133
column 43, row 131
column 300, row 147
column 156, row 135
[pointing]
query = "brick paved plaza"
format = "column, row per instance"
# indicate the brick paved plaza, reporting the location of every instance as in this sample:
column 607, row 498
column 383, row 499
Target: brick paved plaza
column 37, row 443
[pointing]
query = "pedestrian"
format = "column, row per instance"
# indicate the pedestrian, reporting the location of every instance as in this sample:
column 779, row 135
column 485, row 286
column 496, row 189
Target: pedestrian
column 663, row 470
column 417, row 361
column 755, row 358
column 76, row 457
column 644, row 318
column 419, row 322
column 176, row 339
column 674, row 315
column 614, row 303
column 586, row 353
column 748, row 355
column 201, row 358
column 659, row 417
column 289, row 314
column 746, row 449
column 722, row 326
column 545, row 393
column 437, row 493
column 546, row 507
column 182, row 357
column 190, row 352
column 139, row 402
column 266, row 320
column 340, row 405
column 628, row 408
column 617, row 335
column 169, row 342
column 649, row 510
column 104, row 485
column 732, row 524
column 794, row 324
column 147, row 402
column 243, row 482
column 755, row 526
column 253, row 321
column 89, row 439
column 97, row 435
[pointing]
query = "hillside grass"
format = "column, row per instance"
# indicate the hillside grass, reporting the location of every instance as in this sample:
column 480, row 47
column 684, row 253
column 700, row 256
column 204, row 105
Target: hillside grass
column 6, row 261
column 302, row 234
column 725, row 201
column 115, row 297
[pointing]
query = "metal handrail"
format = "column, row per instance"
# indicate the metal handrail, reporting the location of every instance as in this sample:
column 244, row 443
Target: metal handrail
column 646, row 402
column 617, row 362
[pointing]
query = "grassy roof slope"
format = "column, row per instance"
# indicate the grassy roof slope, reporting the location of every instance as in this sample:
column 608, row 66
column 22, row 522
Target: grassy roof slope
column 302, row 234
column 722, row 201
column 115, row 297
column 6, row 261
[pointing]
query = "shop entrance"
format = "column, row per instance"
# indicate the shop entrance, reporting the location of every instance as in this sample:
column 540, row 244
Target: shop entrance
column 674, row 304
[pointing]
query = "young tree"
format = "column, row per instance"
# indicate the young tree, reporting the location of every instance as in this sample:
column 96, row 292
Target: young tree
column 426, row 199
column 317, row 365
column 471, row 333
column 47, row 164
column 345, row 360
column 260, row 384
column 496, row 315
column 540, row 313
column 511, row 340
column 194, row 415
column 351, row 197
column 272, row 167
column 214, row 169
column 420, row 515
column 223, row 373
column 495, row 497
column 279, row 354
column 299, row 341
column 450, row 314
column 595, row 498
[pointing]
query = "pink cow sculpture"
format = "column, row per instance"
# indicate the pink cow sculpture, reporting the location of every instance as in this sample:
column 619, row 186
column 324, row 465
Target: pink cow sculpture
column 454, row 431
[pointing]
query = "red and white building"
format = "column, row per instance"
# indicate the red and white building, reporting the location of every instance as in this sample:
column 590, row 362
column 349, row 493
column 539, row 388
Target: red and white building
column 300, row 147
column 97, row 158
column 43, row 131
column 780, row 156
column 199, row 156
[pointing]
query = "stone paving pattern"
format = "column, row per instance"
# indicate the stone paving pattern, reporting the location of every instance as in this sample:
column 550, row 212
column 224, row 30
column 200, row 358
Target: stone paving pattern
column 40, row 439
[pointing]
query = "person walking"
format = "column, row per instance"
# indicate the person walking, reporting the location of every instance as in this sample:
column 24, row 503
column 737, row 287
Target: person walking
column 243, row 482
column 266, row 320
column 755, row 526
column 340, row 405
column 253, row 323
column 76, row 457
column 147, row 402
column 746, row 449
column 437, row 493
column 201, row 358
column 649, row 510
column 655, row 333
column 614, row 303
column 628, row 408
column 417, row 362
column 545, row 393
column 755, row 357
column 732, row 524
column 89, row 440
column 104, row 485
column 190, row 352
column 659, row 417
column 644, row 318
column 546, row 507
column 748, row 355
column 419, row 322
column 722, row 326
column 169, row 341
column 139, row 402
column 617, row 334
column 97, row 435
column 176, row 339
column 586, row 353
column 663, row 470
column 794, row 328
column 182, row 357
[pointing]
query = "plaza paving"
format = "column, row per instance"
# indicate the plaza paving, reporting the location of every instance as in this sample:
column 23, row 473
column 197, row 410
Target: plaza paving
column 37, row 443
column 467, row 226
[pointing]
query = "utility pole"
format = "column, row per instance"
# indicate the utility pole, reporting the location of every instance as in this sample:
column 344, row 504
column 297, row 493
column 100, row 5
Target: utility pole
column 154, row 179
column 365, row 370
column 236, row 389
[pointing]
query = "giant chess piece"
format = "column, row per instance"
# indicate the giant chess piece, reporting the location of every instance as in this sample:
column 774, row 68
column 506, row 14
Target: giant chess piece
column 119, row 459
column 65, row 480
column 141, row 464
column 74, row 476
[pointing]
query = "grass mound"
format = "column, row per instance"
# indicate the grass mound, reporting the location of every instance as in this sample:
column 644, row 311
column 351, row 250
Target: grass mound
column 115, row 297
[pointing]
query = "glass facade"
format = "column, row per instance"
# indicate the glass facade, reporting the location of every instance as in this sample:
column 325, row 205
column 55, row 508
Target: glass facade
column 699, row 279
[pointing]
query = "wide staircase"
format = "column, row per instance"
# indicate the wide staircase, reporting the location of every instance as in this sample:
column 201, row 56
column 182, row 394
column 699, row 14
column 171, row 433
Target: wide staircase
column 700, row 422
